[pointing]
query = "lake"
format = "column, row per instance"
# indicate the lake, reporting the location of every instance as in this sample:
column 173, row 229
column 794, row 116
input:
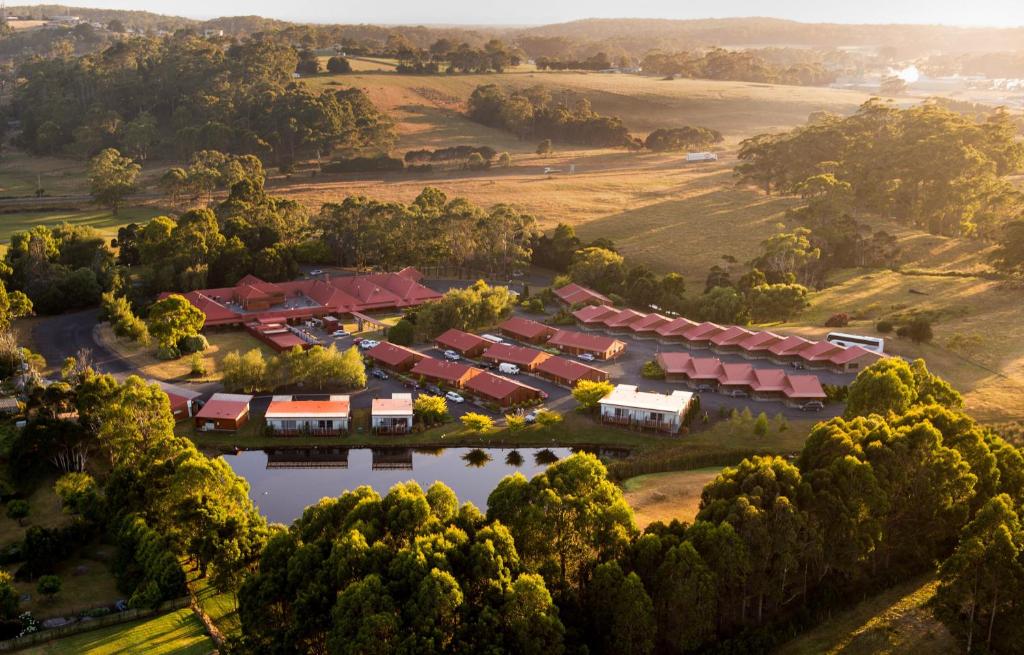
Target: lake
column 284, row 481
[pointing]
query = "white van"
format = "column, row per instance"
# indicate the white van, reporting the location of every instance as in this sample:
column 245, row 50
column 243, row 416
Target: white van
column 508, row 369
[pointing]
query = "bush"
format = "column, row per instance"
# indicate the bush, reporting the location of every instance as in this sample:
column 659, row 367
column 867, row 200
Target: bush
column 884, row 327
column 338, row 65
column 652, row 371
column 841, row 319
column 49, row 586
column 167, row 353
column 197, row 366
column 477, row 422
column 534, row 305
column 195, row 343
column 548, row 418
column 919, row 330
column 402, row 333
column 364, row 164
column 18, row 510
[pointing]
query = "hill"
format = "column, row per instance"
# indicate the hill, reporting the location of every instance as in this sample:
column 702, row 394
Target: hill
column 132, row 19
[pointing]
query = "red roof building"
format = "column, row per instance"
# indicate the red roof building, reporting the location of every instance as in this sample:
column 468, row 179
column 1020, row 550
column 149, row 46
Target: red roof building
column 501, row 390
column 758, row 345
column 464, row 343
column 567, row 372
column 223, row 411
column 572, row 294
column 578, row 343
column 452, row 374
column 527, row 359
column 762, row 383
column 789, row 349
column 276, row 335
column 674, row 329
column 646, row 328
column 523, row 329
column 252, row 298
column 287, row 416
column 623, row 321
column 699, row 336
column 394, row 357
column 593, row 316
column 728, row 340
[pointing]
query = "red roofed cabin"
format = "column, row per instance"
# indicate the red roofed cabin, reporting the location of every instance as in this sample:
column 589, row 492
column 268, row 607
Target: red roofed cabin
column 500, row 390
column 452, row 374
column 567, row 372
column 578, row 343
column 574, row 294
column 276, row 334
column 223, row 411
column 394, row 357
column 525, row 330
column 592, row 317
column 464, row 343
column 527, row 359
column 322, row 418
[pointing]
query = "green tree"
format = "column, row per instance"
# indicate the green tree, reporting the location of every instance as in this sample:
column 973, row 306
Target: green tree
column 544, row 148
column 338, row 65
column 477, row 422
column 888, row 385
column 430, row 409
column 588, row 392
column 76, row 491
column 49, row 586
column 112, row 178
column 598, row 268
column 620, row 611
column 171, row 320
column 18, row 510
column 761, row 425
column 548, row 418
column 402, row 333
column 9, row 597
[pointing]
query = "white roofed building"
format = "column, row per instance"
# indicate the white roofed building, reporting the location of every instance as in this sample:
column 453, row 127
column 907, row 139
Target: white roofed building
column 392, row 415
column 626, row 405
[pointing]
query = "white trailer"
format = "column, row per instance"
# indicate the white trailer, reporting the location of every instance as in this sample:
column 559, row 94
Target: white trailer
column 701, row 156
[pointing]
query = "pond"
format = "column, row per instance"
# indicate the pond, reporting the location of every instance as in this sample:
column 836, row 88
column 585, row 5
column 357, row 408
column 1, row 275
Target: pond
column 284, row 481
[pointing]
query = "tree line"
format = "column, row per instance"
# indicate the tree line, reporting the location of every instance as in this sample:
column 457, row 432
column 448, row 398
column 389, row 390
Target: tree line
column 445, row 55
column 151, row 97
column 735, row 65
column 927, row 166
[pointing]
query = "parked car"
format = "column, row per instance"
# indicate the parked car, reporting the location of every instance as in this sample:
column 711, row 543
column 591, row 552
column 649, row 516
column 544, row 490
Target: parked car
column 434, row 389
column 508, row 369
column 737, row 393
column 587, row 357
column 452, row 355
column 530, row 418
column 454, row 397
column 703, row 387
column 339, row 333
column 378, row 373
column 813, row 406
column 366, row 344
column 411, row 384
column 316, row 271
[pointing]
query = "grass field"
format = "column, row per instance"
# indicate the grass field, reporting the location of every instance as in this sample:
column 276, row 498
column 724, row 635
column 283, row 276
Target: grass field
column 100, row 219
column 221, row 608
column 86, row 582
column 894, row 623
column 179, row 370
column 666, row 496
column 45, row 511
column 175, row 633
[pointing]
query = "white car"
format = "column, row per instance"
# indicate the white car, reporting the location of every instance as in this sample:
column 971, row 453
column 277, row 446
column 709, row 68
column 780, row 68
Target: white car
column 587, row 357
column 339, row 333
column 366, row 344
column 452, row 355
column 316, row 272
column 454, row 397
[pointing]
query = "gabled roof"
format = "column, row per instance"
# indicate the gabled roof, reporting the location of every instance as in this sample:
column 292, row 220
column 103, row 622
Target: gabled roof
column 820, row 351
column 225, row 406
column 592, row 342
column 392, row 354
column 519, row 355
column 650, row 323
column 760, row 341
column 791, row 345
column 524, row 327
column 594, row 313
column 569, row 369
column 803, row 386
column 674, row 362
column 624, row 318
column 459, row 340
column 573, row 293
column 443, row 370
column 852, row 354
column 731, row 336
column 495, row 386
column 736, row 374
column 769, row 379
column 702, row 331
column 675, row 327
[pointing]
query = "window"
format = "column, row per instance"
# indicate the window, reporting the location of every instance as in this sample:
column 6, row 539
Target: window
column 288, row 425
column 619, row 412
column 325, row 425
column 656, row 416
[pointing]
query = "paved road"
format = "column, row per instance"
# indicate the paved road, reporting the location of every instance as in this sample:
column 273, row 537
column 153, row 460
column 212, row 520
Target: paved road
column 59, row 337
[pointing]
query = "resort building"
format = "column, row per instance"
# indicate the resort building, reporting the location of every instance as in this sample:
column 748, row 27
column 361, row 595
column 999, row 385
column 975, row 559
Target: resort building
column 288, row 417
column 574, row 294
column 452, row 374
column 567, row 372
column 501, row 390
column 464, row 343
column 223, row 411
column 527, row 359
column 578, row 343
column 525, row 330
column 626, row 405
column 394, row 357
column 392, row 415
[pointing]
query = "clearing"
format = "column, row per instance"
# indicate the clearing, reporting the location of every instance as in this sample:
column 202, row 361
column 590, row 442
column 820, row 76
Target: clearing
column 895, row 622
column 175, row 633
column 666, row 496
column 102, row 220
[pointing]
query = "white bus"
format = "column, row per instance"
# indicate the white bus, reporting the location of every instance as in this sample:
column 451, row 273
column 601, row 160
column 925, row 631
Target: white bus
column 874, row 344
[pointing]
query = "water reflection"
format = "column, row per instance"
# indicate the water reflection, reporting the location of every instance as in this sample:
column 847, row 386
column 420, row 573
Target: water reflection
column 284, row 481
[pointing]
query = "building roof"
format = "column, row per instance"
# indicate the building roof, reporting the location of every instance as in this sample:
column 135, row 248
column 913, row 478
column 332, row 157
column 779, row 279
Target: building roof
column 443, row 370
column 624, row 318
column 568, row 369
column 336, row 406
column 760, row 341
column 650, row 323
column 627, row 395
column 591, row 342
column 675, row 327
column 769, row 379
column 791, row 345
column 518, row 355
column 225, row 406
column 594, row 313
column 697, row 368
column 391, row 354
column 736, row 374
column 673, row 362
column 495, row 386
column 573, row 293
column 731, row 336
column 703, row 331
column 852, row 354
column 399, row 404
column 820, row 351
column 525, row 328
column 804, row 386
column 460, row 341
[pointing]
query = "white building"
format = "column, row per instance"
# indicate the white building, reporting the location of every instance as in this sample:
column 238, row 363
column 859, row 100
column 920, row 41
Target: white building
column 392, row 415
column 286, row 416
column 625, row 405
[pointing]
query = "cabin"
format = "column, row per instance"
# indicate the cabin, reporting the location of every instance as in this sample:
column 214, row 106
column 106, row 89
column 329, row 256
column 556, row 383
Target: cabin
column 394, row 357
column 578, row 343
column 527, row 359
column 525, row 330
column 630, row 407
column 592, row 317
column 501, row 390
column 574, row 294
column 567, row 372
column 320, row 418
column 225, row 412
column 392, row 415
column 452, row 374
column 464, row 343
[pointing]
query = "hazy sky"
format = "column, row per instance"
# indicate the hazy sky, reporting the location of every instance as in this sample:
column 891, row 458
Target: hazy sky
column 534, row 12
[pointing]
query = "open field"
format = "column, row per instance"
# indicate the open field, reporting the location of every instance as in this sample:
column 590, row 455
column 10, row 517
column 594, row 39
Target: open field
column 894, row 622
column 86, row 582
column 666, row 496
column 45, row 511
column 100, row 219
column 175, row 633
column 144, row 360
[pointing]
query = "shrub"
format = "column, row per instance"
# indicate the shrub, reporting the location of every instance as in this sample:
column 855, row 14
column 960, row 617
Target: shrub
column 884, row 327
column 534, row 305
column 18, row 510
column 842, row 319
column 516, row 422
column 476, row 162
column 652, row 371
column 761, row 425
column 477, row 422
column 194, row 343
column 548, row 417
column 903, row 331
column 197, row 366
column 168, row 353
column 49, row 586
column 402, row 333
column 504, row 160
column 919, row 330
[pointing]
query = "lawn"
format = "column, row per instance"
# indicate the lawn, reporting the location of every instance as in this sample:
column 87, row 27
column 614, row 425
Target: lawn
column 21, row 174
column 221, row 608
column 86, row 582
column 666, row 496
column 895, row 622
column 45, row 511
column 100, row 219
column 147, row 365
column 175, row 633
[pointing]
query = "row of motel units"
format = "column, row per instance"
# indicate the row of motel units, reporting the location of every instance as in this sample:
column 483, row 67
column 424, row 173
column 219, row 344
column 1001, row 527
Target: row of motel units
column 253, row 299
column 750, row 344
column 323, row 418
column 626, row 405
column 464, row 343
column 568, row 341
column 760, row 383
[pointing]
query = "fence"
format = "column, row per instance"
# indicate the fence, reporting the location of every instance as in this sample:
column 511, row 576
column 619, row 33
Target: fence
column 84, row 626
